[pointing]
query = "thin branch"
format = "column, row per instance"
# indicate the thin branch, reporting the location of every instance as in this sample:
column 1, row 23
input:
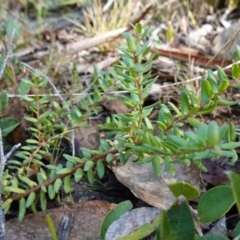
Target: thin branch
column 60, row 97
column 60, row 176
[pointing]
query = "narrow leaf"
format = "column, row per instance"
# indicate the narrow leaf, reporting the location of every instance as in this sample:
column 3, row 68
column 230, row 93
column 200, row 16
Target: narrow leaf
column 90, row 176
column 78, row 175
column 184, row 103
column 51, row 227
column 22, row 209
column 100, row 169
column 67, row 184
column 206, row 91
column 43, row 201
column 30, row 199
column 57, row 185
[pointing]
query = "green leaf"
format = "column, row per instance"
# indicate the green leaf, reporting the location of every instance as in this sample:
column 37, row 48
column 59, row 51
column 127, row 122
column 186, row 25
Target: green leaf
column 43, row 83
column 223, row 130
column 235, row 71
column 184, row 103
column 138, row 29
column 154, row 140
column 32, row 141
column 88, row 165
column 212, row 80
column 78, row 175
column 156, row 149
column 140, row 149
column 24, row 88
column 52, row 173
column 146, row 112
column 57, row 185
column 215, row 203
column 51, row 227
column 156, row 164
column 30, row 119
column 202, row 131
column 110, row 157
column 193, row 99
column 164, row 228
column 51, row 192
column 194, row 122
column 67, row 185
column 22, row 209
column 27, row 82
column 7, row 125
column 143, row 50
column 199, row 164
column 44, row 189
column 149, row 126
column 224, row 86
column 203, row 155
column 229, row 145
column 181, row 142
column 178, row 223
column 235, row 186
column 30, row 199
column 167, row 114
column 196, row 138
column 100, row 169
column 139, row 68
column 169, row 166
column 122, row 158
column 227, row 102
column 206, row 91
column 130, row 41
column 68, row 165
column 90, row 176
column 236, row 231
column 64, row 171
column 28, row 99
column 175, row 109
column 114, row 215
column 161, row 125
column 6, row 205
column 221, row 74
column 40, row 178
column 213, row 135
column 43, row 201
column 170, row 33
column 73, row 159
column 236, row 85
column 232, row 132
column 104, row 145
column 186, row 189
column 13, row 189
column 209, row 107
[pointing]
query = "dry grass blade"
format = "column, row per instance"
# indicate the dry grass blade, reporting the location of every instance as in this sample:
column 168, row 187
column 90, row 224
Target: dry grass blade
column 104, row 37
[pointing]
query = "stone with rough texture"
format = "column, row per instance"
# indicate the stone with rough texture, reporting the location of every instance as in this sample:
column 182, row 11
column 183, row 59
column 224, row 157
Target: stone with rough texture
column 87, row 218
